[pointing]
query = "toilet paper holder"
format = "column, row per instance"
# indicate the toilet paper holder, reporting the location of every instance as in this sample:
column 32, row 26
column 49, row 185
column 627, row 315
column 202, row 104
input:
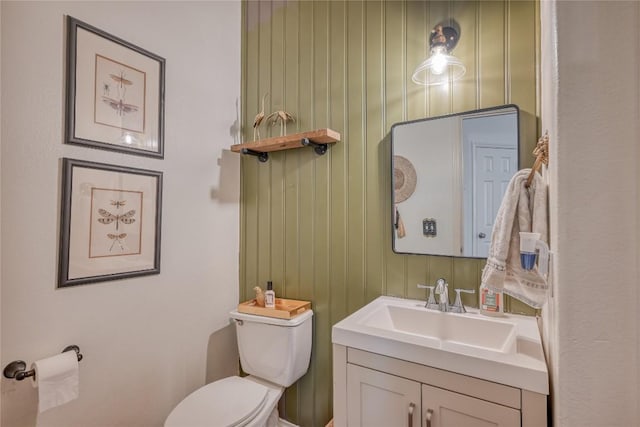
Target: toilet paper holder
column 17, row 368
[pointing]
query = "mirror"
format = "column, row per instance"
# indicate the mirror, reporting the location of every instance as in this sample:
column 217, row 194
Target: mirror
column 449, row 176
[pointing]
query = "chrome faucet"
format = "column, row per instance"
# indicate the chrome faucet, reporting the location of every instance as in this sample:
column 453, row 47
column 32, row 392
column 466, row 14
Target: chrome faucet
column 442, row 289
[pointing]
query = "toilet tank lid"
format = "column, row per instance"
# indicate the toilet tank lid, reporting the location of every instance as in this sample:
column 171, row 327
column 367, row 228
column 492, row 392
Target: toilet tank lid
column 295, row 321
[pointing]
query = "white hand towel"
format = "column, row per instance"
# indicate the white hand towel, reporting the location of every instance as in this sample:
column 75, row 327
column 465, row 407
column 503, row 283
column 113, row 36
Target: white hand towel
column 521, row 210
column 57, row 379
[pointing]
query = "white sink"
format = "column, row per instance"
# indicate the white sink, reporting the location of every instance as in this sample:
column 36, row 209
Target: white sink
column 507, row 350
column 450, row 327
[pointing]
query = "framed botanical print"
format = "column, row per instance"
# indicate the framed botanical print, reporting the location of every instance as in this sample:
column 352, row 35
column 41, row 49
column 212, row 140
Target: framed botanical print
column 115, row 93
column 110, row 222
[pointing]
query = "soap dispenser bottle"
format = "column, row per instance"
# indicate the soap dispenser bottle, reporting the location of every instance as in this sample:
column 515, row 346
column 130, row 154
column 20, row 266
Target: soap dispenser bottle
column 491, row 302
column 269, row 296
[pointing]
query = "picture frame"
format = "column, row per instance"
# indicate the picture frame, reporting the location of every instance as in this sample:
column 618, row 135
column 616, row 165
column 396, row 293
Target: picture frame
column 115, row 93
column 110, row 222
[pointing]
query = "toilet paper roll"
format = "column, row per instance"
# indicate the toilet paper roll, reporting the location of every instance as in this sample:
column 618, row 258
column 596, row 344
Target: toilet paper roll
column 57, row 379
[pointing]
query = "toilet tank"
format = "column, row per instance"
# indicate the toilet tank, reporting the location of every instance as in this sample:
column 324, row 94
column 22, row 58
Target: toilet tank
column 276, row 350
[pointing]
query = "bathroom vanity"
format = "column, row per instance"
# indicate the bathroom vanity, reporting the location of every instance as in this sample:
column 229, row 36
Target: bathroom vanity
column 396, row 363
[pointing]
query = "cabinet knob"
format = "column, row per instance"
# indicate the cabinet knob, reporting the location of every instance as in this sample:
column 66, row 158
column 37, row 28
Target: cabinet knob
column 482, row 235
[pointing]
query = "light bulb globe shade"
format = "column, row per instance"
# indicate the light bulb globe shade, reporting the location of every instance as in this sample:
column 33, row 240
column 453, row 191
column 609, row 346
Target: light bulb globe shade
column 438, row 63
column 438, row 69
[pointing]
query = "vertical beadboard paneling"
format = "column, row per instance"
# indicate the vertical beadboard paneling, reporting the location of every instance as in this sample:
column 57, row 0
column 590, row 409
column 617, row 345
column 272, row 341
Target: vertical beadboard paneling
column 264, row 173
column 394, row 64
column 439, row 96
column 306, row 196
column 249, row 189
column 277, row 164
column 354, row 139
column 374, row 125
column 321, row 293
column 492, row 55
column 522, row 32
column 291, row 71
column 320, row 227
column 464, row 93
column 395, row 85
column 417, row 50
column 338, row 156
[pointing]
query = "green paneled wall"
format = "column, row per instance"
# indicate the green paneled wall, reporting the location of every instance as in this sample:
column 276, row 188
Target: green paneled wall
column 319, row 227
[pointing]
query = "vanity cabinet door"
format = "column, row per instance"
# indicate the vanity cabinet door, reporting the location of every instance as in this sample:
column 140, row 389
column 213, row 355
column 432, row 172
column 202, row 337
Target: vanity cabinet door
column 376, row 399
column 443, row 408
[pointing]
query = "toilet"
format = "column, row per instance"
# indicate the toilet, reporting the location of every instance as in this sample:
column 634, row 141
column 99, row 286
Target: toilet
column 274, row 352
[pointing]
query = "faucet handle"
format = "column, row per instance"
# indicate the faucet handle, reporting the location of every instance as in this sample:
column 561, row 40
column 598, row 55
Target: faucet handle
column 458, row 307
column 431, row 300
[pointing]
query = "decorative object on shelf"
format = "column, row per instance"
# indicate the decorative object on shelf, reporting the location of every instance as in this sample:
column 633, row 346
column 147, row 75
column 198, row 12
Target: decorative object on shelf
column 283, row 117
column 319, row 139
column 115, row 93
column 259, row 296
column 440, row 67
column 110, row 222
column 258, row 120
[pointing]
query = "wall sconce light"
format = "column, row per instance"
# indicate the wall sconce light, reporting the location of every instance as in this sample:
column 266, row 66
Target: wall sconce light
column 440, row 67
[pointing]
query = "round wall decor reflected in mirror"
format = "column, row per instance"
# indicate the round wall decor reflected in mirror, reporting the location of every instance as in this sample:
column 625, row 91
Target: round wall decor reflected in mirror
column 404, row 179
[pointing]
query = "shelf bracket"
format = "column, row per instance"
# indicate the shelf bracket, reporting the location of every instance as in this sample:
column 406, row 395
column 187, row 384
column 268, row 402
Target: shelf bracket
column 262, row 156
column 320, row 149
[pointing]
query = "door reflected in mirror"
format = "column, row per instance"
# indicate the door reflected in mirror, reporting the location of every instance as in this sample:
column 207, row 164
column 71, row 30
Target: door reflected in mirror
column 449, row 175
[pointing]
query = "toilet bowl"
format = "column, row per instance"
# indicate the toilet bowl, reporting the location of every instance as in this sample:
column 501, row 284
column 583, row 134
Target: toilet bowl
column 275, row 352
column 232, row 401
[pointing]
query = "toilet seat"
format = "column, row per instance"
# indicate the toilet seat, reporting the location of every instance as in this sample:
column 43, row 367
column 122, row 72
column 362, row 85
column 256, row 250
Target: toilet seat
column 231, row 401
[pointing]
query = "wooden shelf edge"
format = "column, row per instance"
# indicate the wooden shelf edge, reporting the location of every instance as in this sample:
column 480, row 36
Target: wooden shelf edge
column 286, row 142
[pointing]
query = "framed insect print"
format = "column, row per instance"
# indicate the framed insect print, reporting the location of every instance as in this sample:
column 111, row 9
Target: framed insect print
column 110, row 226
column 115, row 93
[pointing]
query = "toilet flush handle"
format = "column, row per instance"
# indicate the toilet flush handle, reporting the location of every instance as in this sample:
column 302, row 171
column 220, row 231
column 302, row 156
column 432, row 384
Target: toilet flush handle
column 239, row 322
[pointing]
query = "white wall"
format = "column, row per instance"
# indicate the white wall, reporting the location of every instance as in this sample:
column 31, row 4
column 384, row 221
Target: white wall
column 590, row 106
column 0, row 196
column 434, row 159
column 549, row 100
column 146, row 341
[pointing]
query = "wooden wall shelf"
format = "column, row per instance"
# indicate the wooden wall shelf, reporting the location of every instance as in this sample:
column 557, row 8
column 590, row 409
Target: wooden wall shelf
column 318, row 139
